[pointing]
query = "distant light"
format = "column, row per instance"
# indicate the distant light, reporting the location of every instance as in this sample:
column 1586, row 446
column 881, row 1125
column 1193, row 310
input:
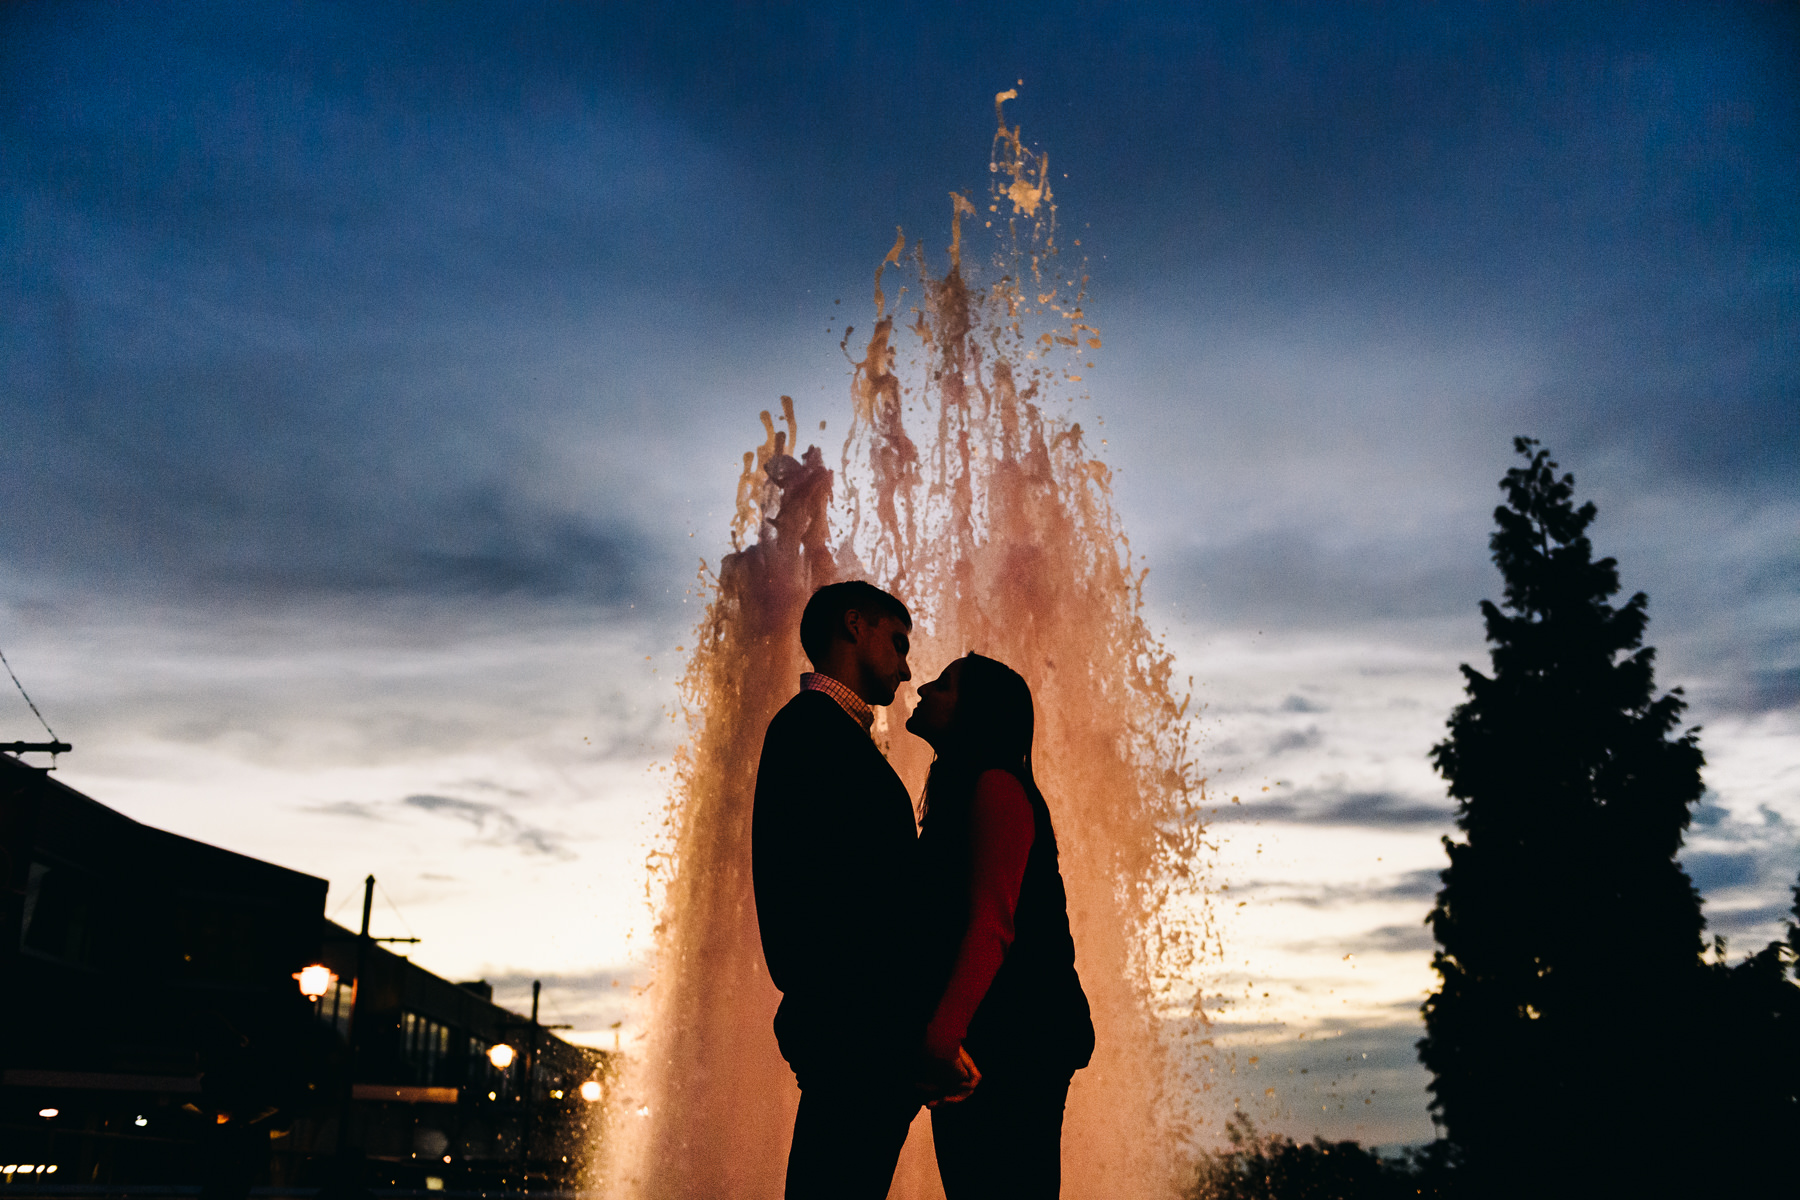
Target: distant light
column 47, row 1113
column 501, row 1056
column 433, row 1183
column 141, row 1122
column 590, row 1090
column 315, row 980
column 493, row 1095
column 644, row 1111
column 446, row 1158
column 51, row 1169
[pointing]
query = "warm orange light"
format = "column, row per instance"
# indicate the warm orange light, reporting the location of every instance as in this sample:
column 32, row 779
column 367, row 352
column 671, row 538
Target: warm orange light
column 590, row 1090
column 315, row 980
column 501, row 1056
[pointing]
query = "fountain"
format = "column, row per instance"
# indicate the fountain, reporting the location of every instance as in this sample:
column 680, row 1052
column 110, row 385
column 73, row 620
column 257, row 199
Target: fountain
column 997, row 529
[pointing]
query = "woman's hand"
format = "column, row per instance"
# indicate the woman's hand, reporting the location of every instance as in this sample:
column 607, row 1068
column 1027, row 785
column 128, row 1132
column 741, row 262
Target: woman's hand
column 949, row 1081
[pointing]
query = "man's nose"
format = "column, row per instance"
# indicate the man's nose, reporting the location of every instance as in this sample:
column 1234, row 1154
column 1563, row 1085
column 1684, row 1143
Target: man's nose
column 905, row 671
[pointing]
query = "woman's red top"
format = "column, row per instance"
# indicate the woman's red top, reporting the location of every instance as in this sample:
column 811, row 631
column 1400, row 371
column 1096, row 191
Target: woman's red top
column 1001, row 833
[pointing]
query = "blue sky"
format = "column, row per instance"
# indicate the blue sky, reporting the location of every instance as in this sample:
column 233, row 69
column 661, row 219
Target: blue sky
column 374, row 376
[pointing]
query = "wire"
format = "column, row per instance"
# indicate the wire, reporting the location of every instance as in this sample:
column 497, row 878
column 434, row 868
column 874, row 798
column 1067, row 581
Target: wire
column 22, row 692
column 348, row 897
column 390, row 903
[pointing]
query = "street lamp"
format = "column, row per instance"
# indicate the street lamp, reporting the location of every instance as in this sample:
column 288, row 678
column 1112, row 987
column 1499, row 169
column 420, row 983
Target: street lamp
column 501, row 1055
column 590, row 1090
column 315, row 980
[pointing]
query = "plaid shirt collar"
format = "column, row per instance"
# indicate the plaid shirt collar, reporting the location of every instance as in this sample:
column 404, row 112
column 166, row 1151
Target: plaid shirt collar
column 849, row 701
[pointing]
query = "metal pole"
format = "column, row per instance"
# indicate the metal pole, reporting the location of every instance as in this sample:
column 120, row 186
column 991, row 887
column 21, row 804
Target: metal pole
column 530, row 1073
column 346, row 1152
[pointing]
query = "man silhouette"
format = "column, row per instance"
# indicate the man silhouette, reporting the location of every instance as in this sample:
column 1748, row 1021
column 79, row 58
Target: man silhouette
column 833, row 849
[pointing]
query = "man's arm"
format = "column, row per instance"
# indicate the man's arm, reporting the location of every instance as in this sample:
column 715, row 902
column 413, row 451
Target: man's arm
column 813, row 848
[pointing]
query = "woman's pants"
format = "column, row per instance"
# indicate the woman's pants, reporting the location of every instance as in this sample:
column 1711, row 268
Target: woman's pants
column 1005, row 1140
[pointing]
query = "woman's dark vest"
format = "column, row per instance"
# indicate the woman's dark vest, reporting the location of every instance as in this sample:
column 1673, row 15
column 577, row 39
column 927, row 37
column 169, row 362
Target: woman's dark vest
column 1035, row 1015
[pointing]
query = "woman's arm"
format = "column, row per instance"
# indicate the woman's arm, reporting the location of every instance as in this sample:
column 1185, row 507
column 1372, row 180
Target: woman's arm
column 1001, row 832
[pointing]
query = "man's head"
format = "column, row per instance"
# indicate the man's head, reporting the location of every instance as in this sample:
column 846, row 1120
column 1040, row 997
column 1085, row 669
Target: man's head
column 859, row 635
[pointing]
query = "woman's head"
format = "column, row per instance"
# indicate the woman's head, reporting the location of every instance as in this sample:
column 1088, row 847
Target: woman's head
column 979, row 711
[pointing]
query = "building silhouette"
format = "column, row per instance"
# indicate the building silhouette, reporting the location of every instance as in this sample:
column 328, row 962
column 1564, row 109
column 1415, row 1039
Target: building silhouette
column 152, row 1030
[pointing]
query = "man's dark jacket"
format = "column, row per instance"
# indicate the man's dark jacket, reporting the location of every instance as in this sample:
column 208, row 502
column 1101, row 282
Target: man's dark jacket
column 834, row 855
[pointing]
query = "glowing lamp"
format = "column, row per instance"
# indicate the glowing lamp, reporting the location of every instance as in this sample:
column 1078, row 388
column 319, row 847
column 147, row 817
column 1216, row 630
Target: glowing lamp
column 501, row 1056
column 48, row 1113
column 590, row 1090
column 315, row 980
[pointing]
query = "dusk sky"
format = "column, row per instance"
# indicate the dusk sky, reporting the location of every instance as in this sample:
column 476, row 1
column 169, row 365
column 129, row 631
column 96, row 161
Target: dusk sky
column 373, row 380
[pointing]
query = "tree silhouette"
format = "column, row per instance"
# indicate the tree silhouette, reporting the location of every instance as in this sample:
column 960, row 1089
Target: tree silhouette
column 1752, row 1065
column 1569, row 937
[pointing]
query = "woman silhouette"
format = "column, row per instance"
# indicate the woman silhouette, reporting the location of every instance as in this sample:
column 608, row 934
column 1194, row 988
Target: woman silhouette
column 998, row 933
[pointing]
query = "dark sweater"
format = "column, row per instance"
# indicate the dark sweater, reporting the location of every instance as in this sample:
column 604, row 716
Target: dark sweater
column 834, row 857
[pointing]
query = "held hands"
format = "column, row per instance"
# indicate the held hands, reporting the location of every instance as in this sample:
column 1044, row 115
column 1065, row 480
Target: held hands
column 948, row 1081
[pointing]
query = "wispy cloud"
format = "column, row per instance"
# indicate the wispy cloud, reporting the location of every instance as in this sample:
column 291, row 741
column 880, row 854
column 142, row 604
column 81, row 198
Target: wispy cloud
column 360, row 809
column 1388, row 939
column 494, row 824
column 1296, row 739
column 1330, row 806
column 597, row 1003
column 1413, row 885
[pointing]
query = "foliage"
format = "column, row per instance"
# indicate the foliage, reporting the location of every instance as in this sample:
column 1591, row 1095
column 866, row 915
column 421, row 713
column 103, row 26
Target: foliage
column 1273, row 1167
column 1751, row 1062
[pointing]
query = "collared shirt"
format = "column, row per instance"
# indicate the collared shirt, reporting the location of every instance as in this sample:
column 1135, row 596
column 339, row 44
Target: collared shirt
column 849, row 701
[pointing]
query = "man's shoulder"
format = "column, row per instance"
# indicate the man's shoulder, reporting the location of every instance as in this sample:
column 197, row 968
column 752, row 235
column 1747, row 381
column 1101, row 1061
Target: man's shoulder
column 810, row 709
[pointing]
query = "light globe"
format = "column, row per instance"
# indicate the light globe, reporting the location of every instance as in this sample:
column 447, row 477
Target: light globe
column 315, row 980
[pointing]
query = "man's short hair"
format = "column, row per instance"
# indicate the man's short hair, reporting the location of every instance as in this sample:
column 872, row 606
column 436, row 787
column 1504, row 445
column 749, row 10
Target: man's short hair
column 823, row 621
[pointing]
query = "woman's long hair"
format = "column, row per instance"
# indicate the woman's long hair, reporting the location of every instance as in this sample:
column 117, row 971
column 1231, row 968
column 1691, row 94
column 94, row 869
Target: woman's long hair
column 991, row 728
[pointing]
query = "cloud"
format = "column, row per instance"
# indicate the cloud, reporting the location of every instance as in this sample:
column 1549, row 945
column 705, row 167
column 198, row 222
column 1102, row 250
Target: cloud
column 1296, row 739
column 1288, row 578
column 489, row 785
column 1335, row 806
column 1388, row 939
column 597, row 1002
column 1736, row 921
column 1414, row 885
column 1748, row 853
column 1768, row 690
column 494, row 823
column 1319, row 1082
column 1712, row 871
column 359, row 809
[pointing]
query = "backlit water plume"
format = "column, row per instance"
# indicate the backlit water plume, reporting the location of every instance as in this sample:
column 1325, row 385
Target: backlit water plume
column 965, row 489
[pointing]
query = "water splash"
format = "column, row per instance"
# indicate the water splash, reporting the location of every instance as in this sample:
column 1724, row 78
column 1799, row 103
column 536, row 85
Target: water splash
column 1001, row 536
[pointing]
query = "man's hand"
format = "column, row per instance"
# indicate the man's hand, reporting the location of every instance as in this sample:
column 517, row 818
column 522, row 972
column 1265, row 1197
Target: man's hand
column 949, row 1081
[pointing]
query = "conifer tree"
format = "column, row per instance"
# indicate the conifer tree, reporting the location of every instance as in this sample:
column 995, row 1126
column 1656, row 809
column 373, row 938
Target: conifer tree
column 1560, row 1037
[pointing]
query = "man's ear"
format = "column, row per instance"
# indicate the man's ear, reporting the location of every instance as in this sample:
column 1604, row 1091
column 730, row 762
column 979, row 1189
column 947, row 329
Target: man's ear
column 854, row 625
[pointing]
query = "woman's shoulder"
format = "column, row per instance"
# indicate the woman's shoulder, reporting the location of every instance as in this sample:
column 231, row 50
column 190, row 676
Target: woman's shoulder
column 999, row 784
